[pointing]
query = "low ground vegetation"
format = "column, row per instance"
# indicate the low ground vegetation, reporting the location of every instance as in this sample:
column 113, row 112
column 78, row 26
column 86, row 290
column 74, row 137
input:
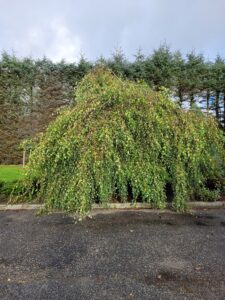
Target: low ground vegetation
column 10, row 175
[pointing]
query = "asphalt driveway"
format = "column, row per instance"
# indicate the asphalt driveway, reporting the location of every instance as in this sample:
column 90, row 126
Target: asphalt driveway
column 121, row 255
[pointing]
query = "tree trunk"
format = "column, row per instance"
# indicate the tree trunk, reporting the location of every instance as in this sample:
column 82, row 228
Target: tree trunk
column 180, row 95
column 217, row 104
column 207, row 100
column 24, row 158
column 192, row 100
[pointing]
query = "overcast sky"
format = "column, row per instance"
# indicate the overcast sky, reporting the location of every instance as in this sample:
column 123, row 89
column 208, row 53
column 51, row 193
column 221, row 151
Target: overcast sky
column 66, row 28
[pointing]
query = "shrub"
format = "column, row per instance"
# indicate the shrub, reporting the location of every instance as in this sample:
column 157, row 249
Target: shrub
column 7, row 189
column 123, row 140
column 209, row 195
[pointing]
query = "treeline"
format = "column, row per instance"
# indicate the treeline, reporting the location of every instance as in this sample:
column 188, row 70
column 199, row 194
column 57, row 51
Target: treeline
column 31, row 90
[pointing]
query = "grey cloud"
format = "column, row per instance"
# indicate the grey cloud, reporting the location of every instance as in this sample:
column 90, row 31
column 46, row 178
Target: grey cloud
column 64, row 29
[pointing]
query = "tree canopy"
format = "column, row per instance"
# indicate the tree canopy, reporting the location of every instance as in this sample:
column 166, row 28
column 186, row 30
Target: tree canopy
column 122, row 141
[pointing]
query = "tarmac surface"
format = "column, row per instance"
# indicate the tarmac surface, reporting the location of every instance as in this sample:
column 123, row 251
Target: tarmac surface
column 114, row 255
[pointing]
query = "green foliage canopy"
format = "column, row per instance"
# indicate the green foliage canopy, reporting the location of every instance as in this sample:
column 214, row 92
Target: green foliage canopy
column 122, row 140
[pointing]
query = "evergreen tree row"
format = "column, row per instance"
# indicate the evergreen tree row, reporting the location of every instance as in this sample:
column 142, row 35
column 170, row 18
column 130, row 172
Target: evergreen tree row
column 31, row 91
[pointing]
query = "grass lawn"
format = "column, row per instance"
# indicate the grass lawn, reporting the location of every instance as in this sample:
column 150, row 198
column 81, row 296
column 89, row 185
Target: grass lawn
column 10, row 173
